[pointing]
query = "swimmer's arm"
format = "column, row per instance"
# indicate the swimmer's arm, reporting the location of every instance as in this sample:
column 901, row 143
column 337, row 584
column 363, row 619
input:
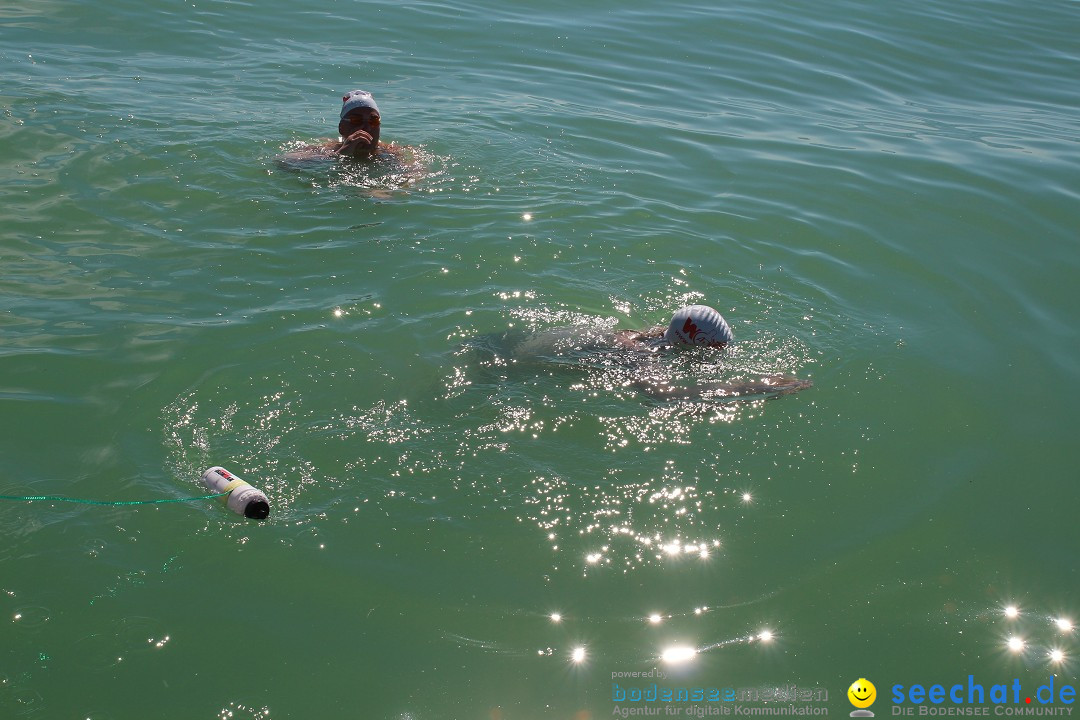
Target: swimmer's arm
column 770, row 386
column 409, row 160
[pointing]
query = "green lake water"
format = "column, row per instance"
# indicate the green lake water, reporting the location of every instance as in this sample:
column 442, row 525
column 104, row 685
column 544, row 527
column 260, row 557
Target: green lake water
column 467, row 523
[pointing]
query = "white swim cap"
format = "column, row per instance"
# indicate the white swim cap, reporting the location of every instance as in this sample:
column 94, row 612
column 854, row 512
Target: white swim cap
column 357, row 99
column 697, row 325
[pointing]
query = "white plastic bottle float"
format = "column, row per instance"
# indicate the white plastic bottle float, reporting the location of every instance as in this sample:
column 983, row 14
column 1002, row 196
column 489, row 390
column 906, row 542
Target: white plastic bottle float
column 242, row 498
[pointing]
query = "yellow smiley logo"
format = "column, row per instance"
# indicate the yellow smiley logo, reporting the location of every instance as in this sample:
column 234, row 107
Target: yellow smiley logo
column 862, row 693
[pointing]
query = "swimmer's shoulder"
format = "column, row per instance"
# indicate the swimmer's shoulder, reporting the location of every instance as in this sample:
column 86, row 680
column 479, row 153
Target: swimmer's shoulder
column 406, row 155
column 408, row 162
column 393, row 150
column 644, row 340
column 321, row 151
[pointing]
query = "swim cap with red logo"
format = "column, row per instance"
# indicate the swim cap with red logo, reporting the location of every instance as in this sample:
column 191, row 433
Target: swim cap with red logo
column 357, row 99
column 698, row 325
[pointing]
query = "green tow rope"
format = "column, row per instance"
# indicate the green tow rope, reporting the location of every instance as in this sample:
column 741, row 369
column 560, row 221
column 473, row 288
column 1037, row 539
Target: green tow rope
column 58, row 498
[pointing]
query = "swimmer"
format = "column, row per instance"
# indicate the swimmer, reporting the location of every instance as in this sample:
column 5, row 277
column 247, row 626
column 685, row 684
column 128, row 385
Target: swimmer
column 700, row 326
column 359, row 125
column 693, row 326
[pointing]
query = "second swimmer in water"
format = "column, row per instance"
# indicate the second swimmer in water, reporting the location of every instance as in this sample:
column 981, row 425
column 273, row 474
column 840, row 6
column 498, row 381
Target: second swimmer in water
column 700, row 326
column 359, row 125
column 690, row 326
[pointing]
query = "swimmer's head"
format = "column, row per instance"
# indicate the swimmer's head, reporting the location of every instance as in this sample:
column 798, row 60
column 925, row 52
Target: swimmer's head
column 357, row 99
column 698, row 325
